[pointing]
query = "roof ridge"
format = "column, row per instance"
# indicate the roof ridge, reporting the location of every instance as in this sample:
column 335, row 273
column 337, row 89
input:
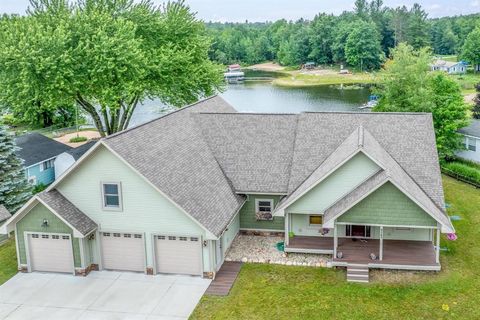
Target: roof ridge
column 297, row 120
column 250, row 113
column 160, row 117
column 368, row 113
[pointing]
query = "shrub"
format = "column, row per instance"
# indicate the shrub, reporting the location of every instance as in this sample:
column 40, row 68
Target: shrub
column 78, row 139
column 466, row 171
column 39, row 188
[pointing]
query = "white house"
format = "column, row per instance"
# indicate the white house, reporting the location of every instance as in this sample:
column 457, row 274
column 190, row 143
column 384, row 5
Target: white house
column 472, row 141
column 66, row 159
column 449, row 67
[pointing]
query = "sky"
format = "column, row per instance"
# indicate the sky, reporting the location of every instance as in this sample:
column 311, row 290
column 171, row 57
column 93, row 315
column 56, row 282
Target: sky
column 271, row 10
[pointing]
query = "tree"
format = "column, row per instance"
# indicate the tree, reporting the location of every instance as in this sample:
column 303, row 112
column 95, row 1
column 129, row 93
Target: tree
column 449, row 113
column 106, row 56
column 476, row 107
column 14, row 188
column 418, row 29
column 363, row 48
column 321, row 38
column 471, row 47
column 407, row 85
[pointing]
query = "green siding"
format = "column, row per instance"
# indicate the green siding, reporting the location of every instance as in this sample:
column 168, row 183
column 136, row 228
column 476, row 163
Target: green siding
column 247, row 215
column 335, row 186
column 32, row 222
column 387, row 206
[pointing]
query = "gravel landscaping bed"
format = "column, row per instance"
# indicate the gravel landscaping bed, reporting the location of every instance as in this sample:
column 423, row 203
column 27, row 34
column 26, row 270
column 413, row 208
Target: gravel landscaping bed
column 262, row 249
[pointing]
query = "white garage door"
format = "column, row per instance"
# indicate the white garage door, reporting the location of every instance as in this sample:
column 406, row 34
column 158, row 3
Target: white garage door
column 123, row 251
column 50, row 252
column 176, row 254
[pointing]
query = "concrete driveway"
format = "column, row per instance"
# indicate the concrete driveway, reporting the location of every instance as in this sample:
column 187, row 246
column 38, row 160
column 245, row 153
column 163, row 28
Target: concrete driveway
column 100, row 295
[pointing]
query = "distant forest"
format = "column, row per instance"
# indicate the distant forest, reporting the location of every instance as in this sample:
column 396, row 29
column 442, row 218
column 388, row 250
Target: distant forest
column 361, row 38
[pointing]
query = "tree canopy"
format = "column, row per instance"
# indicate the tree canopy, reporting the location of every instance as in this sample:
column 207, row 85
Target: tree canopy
column 322, row 39
column 471, row 47
column 406, row 85
column 105, row 56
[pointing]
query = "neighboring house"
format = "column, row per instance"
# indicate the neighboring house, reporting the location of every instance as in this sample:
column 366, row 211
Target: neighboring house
column 66, row 159
column 4, row 216
column 449, row 67
column 471, row 136
column 170, row 195
column 38, row 153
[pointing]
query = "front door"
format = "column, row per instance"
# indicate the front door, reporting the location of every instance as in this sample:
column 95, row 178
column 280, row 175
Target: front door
column 358, row 231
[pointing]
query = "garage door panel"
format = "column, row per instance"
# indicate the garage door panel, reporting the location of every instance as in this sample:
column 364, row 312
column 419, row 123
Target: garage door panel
column 50, row 252
column 178, row 254
column 123, row 251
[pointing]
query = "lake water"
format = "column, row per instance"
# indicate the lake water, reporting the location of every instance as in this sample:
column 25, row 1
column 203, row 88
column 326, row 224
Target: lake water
column 264, row 97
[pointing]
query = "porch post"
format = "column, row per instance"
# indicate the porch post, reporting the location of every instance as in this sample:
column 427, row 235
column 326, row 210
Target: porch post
column 335, row 240
column 287, row 223
column 437, row 248
column 380, row 255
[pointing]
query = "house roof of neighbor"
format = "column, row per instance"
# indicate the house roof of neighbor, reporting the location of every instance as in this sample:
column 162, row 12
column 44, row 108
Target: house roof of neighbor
column 444, row 63
column 35, row 148
column 79, row 151
column 204, row 156
column 473, row 129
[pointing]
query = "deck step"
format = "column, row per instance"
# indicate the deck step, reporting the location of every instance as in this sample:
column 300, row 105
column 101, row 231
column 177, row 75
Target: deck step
column 357, row 273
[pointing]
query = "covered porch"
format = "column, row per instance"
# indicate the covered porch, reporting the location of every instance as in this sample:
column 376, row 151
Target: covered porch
column 397, row 254
column 378, row 246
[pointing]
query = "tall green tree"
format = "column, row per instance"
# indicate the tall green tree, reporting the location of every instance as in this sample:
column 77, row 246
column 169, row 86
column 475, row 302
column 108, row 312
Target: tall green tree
column 363, row 48
column 14, row 188
column 471, row 47
column 476, row 106
column 106, row 56
column 418, row 28
column 407, row 85
column 449, row 113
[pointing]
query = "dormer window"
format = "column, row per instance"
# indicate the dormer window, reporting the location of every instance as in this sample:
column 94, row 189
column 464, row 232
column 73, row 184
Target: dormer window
column 112, row 197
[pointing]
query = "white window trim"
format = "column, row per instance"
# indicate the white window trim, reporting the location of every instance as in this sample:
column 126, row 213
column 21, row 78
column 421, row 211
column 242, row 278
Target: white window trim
column 120, row 198
column 467, row 143
column 257, row 200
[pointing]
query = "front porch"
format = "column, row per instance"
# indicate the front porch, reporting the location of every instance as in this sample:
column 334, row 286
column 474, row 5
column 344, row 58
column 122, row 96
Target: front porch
column 397, row 254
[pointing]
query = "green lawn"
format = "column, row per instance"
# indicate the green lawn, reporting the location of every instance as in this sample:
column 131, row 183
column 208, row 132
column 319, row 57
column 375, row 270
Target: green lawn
column 8, row 261
column 281, row 292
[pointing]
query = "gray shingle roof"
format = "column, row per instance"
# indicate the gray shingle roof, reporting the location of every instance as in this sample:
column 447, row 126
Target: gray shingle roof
column 172, row 154
column 473, row 129
column 200, row 159
column 4, row 214
column 80, row 221
column 255, row 151
column 408, row 138
column 361, row 140
column 35, row 147
column 77, row 152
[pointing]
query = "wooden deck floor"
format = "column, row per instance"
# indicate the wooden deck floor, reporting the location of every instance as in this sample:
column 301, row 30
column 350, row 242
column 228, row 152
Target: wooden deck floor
column 312, row 243
column 225, row 278
column 397, row 252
